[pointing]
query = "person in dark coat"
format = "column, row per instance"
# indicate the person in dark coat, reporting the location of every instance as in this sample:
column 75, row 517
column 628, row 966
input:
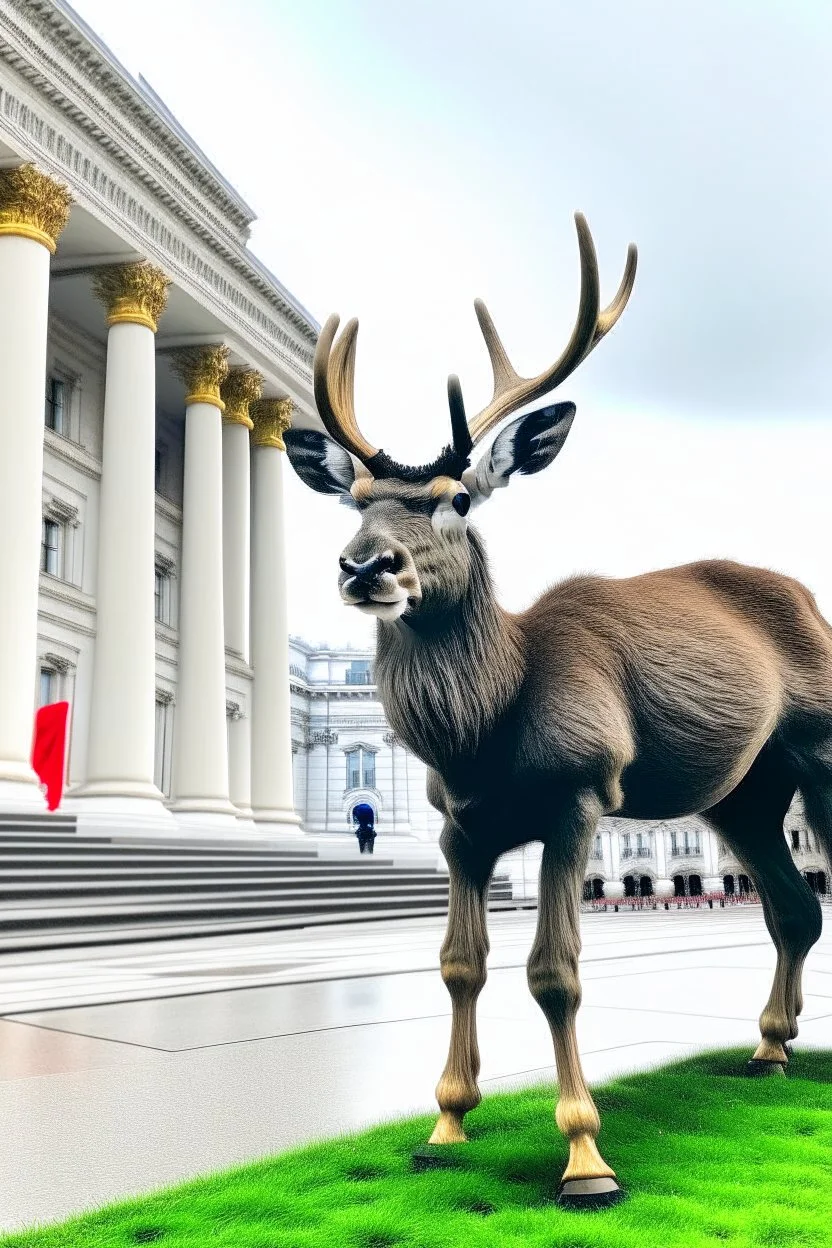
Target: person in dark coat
column 364, row 818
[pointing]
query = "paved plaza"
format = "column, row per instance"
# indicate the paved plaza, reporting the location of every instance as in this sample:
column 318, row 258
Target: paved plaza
column 138, row 1066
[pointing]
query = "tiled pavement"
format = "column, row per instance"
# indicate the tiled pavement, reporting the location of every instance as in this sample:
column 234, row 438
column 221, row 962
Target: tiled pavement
column 286, row 1038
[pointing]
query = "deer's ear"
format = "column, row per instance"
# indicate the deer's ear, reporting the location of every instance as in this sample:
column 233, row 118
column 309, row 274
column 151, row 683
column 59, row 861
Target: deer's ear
column 320, row 462
column 527, row 445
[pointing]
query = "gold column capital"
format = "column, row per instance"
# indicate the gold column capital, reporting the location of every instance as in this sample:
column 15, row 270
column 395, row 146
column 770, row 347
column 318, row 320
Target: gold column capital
column 135, row 292
column 33, row 205
column 241, row 387
column 272, row 417
column 203, row 370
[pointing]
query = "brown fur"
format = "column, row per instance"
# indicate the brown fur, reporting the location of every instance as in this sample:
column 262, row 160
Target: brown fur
column 703, row 689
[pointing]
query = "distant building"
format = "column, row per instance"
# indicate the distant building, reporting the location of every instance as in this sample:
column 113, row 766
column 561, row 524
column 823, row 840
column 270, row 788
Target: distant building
column 344, row 751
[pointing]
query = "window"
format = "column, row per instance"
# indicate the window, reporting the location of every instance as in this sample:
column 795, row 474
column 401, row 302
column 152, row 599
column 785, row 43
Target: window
column 361, row 768
column 626, row 851
column 50, row 547
column 54, row 416
column 48, row 688
column 685, row 842
column 795, row 838
column 359, row 672
column 597, row 851
column 161, row 603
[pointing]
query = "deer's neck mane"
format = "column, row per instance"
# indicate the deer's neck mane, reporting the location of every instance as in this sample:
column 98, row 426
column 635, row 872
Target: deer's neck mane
column 447, row 676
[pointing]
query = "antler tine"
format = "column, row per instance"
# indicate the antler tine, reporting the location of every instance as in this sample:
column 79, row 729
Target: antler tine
column 616, row 306
column 459, row 425
column 510, row 389
column 333, row 379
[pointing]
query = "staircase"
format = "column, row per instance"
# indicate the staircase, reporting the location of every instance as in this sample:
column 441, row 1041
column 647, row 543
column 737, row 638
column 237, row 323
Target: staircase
column 59, row 889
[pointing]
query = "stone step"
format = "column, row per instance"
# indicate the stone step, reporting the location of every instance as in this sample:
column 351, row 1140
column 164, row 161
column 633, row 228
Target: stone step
column 71, row 864
column 165, row 875
column 14, row 918
column 124, row 890
column 72, row 845
column 92, row 936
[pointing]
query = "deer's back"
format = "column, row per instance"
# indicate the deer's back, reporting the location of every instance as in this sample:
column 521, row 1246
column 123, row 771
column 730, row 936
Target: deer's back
column 675, row 679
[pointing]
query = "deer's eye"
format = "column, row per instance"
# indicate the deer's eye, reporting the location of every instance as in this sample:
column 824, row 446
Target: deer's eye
column 461, row 504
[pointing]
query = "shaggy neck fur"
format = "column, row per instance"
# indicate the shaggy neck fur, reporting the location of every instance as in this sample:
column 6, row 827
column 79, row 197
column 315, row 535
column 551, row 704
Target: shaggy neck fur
column 446, row 674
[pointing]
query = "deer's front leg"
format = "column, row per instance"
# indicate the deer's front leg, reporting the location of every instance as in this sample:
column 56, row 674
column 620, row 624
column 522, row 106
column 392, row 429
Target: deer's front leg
column 462, row 958
column 587, row 1182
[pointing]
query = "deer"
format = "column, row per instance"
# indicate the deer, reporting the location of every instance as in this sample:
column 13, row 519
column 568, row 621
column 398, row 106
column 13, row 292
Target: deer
column 700, row 689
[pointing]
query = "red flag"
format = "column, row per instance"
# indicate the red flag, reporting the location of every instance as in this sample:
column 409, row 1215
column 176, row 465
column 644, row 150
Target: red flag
column 49, row 750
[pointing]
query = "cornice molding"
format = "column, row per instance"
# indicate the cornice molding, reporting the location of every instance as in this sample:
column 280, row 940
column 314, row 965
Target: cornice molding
column 76, row 113
column 62, row 591
column 61, row 622
column 71, row 453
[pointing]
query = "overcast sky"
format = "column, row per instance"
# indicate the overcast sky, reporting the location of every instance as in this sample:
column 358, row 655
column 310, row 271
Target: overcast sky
column 403, row 158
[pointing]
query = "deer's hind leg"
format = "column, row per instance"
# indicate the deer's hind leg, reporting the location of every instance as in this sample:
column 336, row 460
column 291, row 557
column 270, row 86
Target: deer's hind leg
column 751, row 821
column 587, row 1182
column 462, row 958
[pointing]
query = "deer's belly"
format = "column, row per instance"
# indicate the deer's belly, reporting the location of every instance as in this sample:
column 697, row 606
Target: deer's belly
column 669, row 779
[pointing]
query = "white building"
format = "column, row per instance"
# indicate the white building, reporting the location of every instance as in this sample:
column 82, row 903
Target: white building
column 141, row 560
column 345, row 752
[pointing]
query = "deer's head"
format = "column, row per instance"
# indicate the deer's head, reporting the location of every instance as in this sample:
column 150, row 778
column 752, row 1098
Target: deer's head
column 412, row 551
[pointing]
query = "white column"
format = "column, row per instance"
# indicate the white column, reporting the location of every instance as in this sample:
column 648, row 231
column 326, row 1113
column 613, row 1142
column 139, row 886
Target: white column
column 33, row 211
column 239, row 761
column 271, row 736
column 200, row 744
column 238, row 391
column 663, row 886
column 241, row 387
column 119, row 777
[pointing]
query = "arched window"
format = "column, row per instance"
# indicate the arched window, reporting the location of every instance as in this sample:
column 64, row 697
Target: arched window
column 586, row 895
column 645, row 886
column 728, row 885
column 629, row 886
column 695, row 885
column 361, row 767
column 745, row 884
column 598, row 889
column 678, row 885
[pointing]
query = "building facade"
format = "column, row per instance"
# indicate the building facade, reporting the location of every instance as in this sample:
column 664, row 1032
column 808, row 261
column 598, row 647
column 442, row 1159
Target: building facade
column 150, row 364
column 344, row 751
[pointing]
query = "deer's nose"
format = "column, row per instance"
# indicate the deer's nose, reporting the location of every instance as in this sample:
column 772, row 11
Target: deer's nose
column 371, row 568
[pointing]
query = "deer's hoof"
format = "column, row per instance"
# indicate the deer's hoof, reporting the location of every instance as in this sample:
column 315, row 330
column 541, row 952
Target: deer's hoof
column 432, row 1157
column 589, row 1194
column 757, row 1069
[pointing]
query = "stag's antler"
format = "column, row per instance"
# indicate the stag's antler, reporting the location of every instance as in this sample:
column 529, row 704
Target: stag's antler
column 512, row 391
column 333, row 380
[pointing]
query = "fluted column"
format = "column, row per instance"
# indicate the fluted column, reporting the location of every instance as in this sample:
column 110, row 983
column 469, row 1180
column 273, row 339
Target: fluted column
column 119, row 779
column 33, row 212
column 271, row 736
column 200, row 744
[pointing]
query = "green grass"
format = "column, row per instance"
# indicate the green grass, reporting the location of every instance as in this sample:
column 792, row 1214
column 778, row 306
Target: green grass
column 708, row 1157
